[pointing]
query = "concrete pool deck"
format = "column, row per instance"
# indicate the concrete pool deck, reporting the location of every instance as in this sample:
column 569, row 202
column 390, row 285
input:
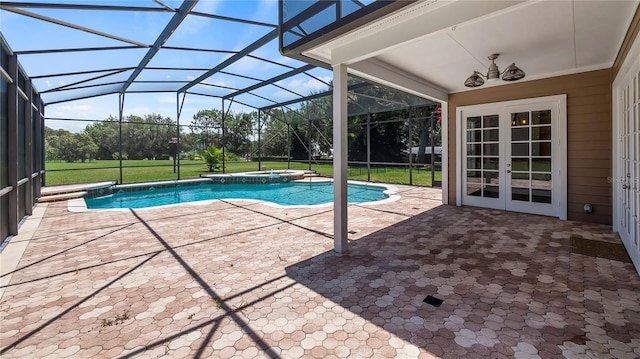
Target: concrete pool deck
column 234, row 279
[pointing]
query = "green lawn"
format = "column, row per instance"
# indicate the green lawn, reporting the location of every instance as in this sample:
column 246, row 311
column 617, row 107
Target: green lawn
column 59, row 173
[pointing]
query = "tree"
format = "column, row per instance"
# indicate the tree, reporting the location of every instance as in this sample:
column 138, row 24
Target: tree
column 212, row 156
column 85, row 148
column 238, row 133
column 69, row 147
column 106, row 136
column 207, row 126
column 273, row 139
column 429, row 130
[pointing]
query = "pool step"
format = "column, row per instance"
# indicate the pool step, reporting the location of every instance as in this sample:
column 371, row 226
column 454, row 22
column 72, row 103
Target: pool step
column 61, row 197
column 311, row 173
column 66, row 192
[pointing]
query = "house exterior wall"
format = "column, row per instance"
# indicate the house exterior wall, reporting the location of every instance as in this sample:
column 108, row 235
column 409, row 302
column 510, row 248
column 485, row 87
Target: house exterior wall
column 589, row 151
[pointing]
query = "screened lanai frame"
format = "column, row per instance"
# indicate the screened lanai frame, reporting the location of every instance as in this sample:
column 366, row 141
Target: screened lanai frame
column 138, row 77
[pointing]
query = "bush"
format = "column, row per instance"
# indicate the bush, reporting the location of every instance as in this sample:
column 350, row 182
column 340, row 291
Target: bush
column 231, row 157
column 212, row 156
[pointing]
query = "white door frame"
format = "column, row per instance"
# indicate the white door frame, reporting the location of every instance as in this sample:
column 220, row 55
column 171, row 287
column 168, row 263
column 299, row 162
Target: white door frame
column 559, row 146
column 630, row 67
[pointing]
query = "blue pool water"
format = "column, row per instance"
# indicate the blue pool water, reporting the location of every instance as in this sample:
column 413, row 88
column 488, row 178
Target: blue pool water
column 285, row 194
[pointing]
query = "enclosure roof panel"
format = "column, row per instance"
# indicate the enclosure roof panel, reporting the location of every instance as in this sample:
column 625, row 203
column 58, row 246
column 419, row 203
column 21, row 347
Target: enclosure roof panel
column 76, row 49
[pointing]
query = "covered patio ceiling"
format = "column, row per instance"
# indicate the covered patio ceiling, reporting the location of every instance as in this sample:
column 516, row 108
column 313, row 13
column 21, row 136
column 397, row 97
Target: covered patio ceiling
column 227, row 50
column 431, row 47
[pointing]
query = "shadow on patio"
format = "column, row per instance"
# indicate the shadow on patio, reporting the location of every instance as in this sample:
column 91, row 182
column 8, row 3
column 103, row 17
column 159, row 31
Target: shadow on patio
column 509, row 281
column 233, row 279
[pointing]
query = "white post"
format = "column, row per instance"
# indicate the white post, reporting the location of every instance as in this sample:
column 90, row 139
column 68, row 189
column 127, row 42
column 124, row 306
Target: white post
column 340, row 150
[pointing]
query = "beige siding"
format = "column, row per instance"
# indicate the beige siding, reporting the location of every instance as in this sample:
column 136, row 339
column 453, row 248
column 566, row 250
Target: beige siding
column 588, row 135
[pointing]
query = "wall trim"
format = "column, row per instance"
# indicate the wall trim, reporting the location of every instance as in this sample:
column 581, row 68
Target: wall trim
column 627, row 44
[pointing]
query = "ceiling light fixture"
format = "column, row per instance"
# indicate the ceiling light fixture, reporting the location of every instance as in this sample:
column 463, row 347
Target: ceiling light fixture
column 511, row 73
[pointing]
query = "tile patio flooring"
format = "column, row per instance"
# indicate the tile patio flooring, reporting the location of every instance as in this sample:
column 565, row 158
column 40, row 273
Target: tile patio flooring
column 246, row 280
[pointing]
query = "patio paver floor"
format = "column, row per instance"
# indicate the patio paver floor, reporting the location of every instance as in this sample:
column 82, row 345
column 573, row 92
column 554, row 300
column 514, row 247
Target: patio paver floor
column 233, row 279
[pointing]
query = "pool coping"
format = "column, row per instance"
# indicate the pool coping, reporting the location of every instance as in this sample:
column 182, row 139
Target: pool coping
column 79, row 205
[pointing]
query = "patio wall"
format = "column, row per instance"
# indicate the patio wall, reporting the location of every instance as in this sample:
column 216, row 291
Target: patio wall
column 589, row 162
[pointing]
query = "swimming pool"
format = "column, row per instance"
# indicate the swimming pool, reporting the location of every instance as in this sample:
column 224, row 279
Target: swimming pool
column 284, row 194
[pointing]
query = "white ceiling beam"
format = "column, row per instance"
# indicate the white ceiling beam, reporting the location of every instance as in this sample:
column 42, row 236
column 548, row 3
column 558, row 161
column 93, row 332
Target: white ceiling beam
column 408, row 25
column 383, row 74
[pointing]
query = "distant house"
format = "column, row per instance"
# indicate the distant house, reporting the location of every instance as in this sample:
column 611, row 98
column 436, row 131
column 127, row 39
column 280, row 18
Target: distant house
column 427, row 154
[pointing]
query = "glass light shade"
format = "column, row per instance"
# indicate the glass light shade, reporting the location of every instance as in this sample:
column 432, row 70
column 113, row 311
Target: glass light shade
column 513, row 73
column 474, row 80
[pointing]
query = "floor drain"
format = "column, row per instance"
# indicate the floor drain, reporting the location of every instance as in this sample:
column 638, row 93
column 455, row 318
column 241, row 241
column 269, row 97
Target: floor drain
column 433, row 301
column 578, row 339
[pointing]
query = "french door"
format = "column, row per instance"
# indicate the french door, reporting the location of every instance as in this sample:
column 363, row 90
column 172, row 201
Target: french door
column 626, row 180
column 513, row 155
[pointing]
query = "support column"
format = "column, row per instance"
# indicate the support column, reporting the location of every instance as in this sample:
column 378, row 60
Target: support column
column 259, row 143
column 120, row 109
column 368, row 147
column 309, row 143
column 340, row 116
column 178, row 113
column 12, row 128
column 288, row 146
column 224, row 137
column 28, row 148
column 410, row 149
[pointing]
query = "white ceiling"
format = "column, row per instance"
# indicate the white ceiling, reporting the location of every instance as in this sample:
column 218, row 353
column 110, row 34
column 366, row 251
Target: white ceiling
column 440, row 43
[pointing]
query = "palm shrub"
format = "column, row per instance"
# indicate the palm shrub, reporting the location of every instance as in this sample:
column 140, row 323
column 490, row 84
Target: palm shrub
column 212, row 156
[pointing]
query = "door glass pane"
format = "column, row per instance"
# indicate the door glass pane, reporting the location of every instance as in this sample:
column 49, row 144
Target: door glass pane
column 519, row 134
column 541, row 164
column 474, row 150
column 541, row 133
column 520, row 164
column 541, row 195
column 541, row 148
column 474, row 163
column 492, row 192
column 492, row 149
column 520, row 149
column 520, row 119
column 519, row 179
column 491, row 177
column 474, row 135
column 530, row 156
column 483, row 151
column 474, row 183
column 473, row 122
column 491, row 163
column 541, row 180
column 491, row 135
column 519, row 194
column 541, row 117
column 491, row 121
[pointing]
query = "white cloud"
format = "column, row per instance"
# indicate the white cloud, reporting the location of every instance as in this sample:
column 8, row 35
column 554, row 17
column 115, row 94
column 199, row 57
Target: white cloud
column 305, row 87
column 69, row 111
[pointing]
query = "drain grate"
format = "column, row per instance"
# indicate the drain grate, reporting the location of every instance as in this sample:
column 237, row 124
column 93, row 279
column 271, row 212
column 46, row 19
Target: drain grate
column 579, row 339
column 436, row 302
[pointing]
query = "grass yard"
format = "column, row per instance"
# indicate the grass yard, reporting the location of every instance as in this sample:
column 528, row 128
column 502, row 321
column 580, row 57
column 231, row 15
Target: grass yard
column 59, row 173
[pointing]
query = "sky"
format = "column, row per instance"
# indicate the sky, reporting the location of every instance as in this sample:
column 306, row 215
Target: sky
column 25, row 33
